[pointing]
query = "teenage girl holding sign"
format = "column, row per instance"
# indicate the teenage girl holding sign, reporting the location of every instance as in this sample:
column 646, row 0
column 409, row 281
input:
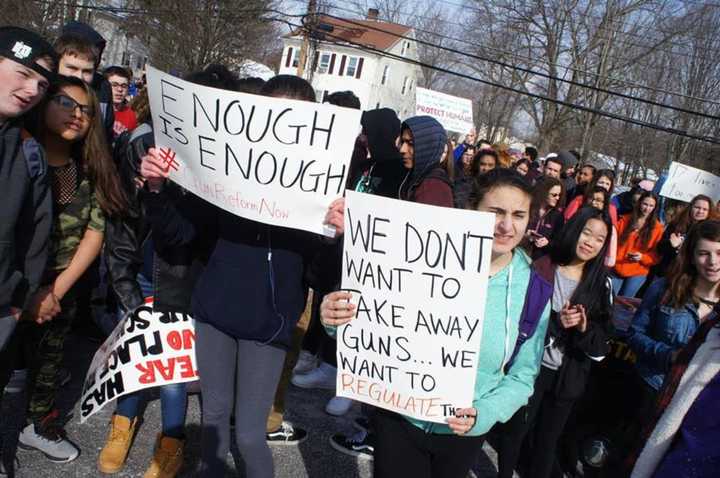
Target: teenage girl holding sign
column 409, row 447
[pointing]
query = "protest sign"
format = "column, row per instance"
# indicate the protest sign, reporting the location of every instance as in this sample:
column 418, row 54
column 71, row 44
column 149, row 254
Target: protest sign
column 454, row 113
column 419, row 276
column 685, row 182
column 147, row 349
column 272, row 160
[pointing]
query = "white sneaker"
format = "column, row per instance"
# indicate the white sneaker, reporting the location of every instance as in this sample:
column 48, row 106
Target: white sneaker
column 51, row 442
column 306, row 362
column 338, row 406
column 322, row 377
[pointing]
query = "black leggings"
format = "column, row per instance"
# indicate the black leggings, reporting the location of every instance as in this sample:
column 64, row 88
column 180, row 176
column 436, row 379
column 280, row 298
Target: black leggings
column 543, row 421
column 402, row 449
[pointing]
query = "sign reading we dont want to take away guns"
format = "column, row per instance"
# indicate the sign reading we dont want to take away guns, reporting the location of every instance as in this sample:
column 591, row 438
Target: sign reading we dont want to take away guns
column 419, row 278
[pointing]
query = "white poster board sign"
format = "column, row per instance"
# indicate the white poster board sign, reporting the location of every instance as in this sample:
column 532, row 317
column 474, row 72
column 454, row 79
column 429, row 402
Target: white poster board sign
column 685, row 182
column 272, row 160
column 454, row 113
column 147, row 349
column 419, row 276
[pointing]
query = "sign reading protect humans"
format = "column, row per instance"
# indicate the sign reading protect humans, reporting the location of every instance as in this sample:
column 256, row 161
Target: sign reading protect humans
column 277, row 161
column 419, row 276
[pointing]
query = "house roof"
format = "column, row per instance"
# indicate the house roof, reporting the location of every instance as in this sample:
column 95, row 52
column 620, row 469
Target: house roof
column 357, row 31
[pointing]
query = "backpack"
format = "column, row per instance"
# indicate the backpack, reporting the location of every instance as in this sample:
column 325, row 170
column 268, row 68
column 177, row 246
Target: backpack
column 539, row 293
column 34, row 155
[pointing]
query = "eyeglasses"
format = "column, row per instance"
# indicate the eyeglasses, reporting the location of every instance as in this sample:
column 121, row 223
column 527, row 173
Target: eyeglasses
column 123, row 86
column 70, row 105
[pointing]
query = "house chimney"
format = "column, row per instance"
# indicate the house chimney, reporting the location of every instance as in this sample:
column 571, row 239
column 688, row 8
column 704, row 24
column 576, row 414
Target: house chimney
column 373, row 14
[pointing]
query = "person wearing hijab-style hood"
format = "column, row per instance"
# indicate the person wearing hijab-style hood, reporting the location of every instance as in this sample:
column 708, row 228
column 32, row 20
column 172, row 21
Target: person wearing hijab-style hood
column 422, row 146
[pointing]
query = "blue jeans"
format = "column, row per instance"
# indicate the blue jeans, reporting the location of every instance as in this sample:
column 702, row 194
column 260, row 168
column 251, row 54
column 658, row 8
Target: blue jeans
column 627, row 286
column 173, row 398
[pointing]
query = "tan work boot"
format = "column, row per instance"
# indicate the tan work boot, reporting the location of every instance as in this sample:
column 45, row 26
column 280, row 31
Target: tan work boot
column 168, row 458
column 112, row 456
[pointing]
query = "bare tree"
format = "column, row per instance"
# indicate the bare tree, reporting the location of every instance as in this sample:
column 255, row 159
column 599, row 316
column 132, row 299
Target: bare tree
column 190, row 34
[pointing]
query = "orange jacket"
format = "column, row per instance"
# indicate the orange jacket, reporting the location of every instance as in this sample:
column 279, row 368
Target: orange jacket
column 623, row 266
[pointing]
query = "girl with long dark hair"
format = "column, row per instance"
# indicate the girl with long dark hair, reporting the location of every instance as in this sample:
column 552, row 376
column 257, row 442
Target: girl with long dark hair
column 577, row 335
column 639, row 234
column 668, row 248
column 547, row 219
column 86, row 190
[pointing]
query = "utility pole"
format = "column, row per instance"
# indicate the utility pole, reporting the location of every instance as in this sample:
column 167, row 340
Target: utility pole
column 305, row 49
column 602, row 70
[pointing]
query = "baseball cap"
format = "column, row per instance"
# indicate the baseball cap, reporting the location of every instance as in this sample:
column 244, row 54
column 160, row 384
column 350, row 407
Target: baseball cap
column 26, row 47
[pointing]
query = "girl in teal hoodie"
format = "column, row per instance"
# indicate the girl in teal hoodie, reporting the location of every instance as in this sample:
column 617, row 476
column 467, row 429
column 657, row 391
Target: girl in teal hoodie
column 409, row 447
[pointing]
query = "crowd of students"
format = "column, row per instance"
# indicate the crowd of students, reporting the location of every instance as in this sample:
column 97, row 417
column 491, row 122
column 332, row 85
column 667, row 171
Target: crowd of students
column 86, row 195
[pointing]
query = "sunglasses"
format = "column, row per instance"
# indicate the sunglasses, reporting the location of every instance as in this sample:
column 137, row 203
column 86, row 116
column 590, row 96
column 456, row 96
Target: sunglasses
column 70, row 105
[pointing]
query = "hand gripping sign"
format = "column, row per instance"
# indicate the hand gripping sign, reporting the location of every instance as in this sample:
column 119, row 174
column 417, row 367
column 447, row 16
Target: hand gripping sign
column 273, row 160
column 147, row 349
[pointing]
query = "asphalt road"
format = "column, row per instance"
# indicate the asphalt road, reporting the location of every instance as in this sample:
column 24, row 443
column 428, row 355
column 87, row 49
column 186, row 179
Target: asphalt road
column 312, row 458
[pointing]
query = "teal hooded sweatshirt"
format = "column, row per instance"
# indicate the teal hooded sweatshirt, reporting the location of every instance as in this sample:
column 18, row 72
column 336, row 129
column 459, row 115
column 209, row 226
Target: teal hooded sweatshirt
column 498, row 395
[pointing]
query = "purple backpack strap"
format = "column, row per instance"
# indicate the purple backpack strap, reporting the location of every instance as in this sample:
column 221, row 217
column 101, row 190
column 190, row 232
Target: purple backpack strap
column 539, row 293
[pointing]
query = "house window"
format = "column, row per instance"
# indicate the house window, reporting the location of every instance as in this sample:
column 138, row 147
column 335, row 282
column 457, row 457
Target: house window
column 405, row 85
column 386, row 71
column 411, row 86
column 125, row 59
column 377, row 106
column 324, row 63
column 352, row 65
column 296, row 58
column 405, row 48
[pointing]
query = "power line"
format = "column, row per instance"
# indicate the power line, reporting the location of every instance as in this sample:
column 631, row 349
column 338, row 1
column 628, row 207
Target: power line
column 622, row 23
column 623, row 60
column 526, row 58
column 358, row 46
column 534, row 72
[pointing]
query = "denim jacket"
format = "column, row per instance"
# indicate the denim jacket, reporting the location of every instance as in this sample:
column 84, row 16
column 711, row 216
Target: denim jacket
column 657, row 331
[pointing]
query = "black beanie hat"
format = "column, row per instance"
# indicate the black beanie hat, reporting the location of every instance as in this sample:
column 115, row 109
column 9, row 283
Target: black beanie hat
column 25, row 47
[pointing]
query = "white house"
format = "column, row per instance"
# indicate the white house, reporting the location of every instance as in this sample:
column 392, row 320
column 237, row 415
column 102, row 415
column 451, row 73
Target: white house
column 121, row 48
column 379, row 81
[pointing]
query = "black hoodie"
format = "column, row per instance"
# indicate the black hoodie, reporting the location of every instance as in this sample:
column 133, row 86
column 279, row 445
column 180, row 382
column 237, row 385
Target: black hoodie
column 381, row 128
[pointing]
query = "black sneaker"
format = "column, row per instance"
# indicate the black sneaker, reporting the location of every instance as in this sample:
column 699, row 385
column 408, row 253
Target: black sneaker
column 287, row 434
column 362, row 424
column 15, row 463
column 361, row 445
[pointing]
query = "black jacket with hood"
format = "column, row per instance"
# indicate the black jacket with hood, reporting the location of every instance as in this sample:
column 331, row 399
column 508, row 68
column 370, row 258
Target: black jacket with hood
column 130, row 248
column 381, row 128
column 25, row 217
column 427, row 182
